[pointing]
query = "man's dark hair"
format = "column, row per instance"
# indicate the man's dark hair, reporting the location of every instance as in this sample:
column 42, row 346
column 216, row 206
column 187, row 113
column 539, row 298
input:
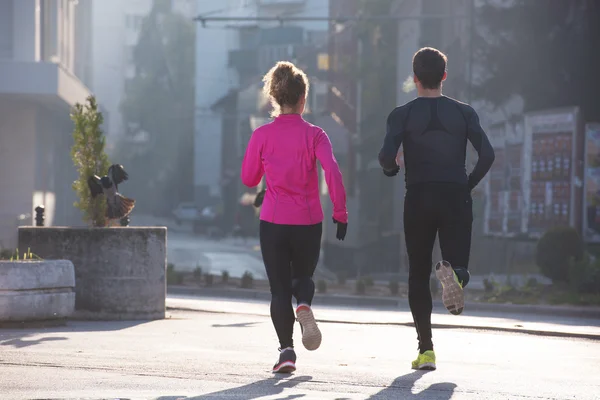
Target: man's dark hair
column 429, row 65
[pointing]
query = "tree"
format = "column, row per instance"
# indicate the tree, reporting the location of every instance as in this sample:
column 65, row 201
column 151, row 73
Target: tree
column 89, row 158
column 544, row 50
column 159, row 101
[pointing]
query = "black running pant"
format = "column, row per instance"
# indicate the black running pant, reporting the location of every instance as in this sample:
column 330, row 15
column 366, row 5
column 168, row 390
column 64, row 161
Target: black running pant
column 432, row 209
column 290, row 254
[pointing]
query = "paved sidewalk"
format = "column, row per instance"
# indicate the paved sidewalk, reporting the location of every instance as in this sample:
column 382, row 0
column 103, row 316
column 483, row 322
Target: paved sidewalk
column 197, row 356
column 391, row 302
column 521, row 323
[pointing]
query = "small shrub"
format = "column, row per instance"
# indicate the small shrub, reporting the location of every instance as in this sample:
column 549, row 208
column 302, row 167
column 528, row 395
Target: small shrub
column 489, row 285
column 531, row 283
column 89, row 157
column 368, row 281
column 322, row 286
column 29, row 256
column 247, row 281
column 173, row 277
column 361, row 287
column 556, row 249
column 225, row 276
column 208, row 279
column 394, row 287
column 342, row 277
column 584, row 276
column 6, row 254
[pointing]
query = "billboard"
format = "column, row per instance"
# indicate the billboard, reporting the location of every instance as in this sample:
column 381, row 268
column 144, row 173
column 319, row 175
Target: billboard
column 553, row 181
column 504, row 189
column 591, row 209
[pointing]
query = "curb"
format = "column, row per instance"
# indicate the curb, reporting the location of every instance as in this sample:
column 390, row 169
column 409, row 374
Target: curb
column 367, row 302
column 533, row 332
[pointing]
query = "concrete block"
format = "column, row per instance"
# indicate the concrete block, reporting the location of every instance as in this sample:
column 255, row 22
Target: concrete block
column 120, row 273
column 36, row 290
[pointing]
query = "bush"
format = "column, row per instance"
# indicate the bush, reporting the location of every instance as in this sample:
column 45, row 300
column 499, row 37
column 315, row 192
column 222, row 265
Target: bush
column 6, row 254
column 361, row 287
column 247, row 281
column 173, row 277
column 90, row 159
column 198, row 272
column 368, row 281
column 322, row 286
column 584, row 275
column 342, row 277
column 489, row 285
column 225, row 276
column 394, row 287
column 208, row 279
column 556, row 249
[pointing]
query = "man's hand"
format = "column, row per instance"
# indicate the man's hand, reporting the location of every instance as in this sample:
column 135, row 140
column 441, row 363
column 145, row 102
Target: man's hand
column 393, row 172
column 342, row 228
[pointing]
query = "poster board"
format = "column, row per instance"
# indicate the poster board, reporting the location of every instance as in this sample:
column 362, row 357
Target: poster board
column 553, row 151
column 591, row 206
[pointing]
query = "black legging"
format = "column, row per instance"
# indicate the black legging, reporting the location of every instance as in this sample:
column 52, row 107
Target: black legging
column 290, row 254
column 432, row 209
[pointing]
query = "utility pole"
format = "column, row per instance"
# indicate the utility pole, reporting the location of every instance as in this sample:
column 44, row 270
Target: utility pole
column 471, row 40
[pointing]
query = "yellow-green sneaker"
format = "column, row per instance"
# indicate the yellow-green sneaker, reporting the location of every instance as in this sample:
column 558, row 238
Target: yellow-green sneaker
column 453, row 296
column 425, row 361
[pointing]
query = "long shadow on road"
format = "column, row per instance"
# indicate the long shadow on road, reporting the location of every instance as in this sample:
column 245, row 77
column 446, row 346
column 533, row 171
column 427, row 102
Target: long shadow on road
column 402, row 388
column 255, row 390
column 22, row 337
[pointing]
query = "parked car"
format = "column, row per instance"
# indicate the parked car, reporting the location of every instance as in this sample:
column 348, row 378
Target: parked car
column 186, row 212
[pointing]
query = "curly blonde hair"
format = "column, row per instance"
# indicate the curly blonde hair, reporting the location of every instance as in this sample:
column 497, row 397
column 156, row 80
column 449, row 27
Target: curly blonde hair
column 285, row 84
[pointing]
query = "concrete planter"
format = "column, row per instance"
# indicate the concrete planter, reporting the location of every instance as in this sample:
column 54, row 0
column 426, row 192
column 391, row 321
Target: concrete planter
column 119, row 272
column 36, row 290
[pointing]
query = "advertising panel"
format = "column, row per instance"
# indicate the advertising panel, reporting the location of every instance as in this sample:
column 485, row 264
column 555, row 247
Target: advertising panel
column 591, row 207
column 553, row 145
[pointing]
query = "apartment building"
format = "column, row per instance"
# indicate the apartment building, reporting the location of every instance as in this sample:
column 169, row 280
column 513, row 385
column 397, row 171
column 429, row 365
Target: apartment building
column 44, row 71
column 231, row 58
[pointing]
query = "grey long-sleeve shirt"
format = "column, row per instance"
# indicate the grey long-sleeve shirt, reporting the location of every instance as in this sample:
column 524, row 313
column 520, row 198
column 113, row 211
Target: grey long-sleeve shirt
column 434, row 132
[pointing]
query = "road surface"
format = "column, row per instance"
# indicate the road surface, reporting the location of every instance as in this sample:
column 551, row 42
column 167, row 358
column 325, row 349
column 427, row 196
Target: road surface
column 195, row 355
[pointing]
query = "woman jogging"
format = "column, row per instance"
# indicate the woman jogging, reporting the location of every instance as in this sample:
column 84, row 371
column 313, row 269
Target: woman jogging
column 286, row 151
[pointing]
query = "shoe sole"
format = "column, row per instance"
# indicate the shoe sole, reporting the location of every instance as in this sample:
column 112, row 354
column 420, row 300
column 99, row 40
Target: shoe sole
column 426, row 367
column 285, row 368
column 453, row 295
column 311, row 335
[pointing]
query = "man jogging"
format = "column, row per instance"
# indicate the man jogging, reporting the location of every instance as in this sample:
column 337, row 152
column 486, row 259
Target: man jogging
column 434, row 131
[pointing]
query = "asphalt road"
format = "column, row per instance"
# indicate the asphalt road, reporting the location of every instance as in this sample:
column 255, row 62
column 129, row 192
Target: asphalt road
column 196, row 355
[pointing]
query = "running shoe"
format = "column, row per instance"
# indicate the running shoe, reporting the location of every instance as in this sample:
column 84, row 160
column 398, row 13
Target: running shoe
column 287, row 361
column 425, row 361
column 311, row 335
column 452, row 289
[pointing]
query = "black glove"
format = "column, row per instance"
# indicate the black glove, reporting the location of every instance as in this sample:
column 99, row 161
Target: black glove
column 259, row 198
column 393, row 172
column 342, row 227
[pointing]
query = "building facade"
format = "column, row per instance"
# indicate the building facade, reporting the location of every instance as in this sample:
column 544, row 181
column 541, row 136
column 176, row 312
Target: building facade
column 44, row 70
column 232, row 56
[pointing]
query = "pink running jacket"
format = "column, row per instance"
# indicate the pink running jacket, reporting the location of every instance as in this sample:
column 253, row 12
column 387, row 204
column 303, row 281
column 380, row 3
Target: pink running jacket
column 286, row 150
